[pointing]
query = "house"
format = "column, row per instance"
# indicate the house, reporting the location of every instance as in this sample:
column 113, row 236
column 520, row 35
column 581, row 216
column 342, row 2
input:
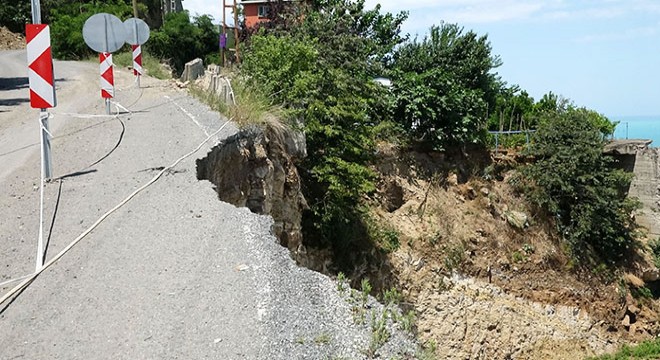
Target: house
column 168, row 6
column 256, row 11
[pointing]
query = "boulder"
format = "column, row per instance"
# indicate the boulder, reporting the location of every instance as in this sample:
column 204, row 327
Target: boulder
column 652, row 274
column 517, row 219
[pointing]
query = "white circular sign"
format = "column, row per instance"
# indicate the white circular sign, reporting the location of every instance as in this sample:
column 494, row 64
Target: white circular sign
column 137, row 31
column 104, row 33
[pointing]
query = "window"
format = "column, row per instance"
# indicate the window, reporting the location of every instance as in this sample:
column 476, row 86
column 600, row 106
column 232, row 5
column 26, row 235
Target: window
column 263, row 10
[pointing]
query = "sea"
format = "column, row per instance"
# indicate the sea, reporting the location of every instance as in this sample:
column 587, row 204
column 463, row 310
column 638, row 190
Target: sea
column 638, row 127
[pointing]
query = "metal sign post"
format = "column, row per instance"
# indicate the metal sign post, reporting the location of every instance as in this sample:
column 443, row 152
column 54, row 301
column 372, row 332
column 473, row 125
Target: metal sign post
column 137, row 33
column 42, row 97
column 105, row 34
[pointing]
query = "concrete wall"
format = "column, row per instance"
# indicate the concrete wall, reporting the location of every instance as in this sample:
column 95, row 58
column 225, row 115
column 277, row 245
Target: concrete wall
column 646, row 186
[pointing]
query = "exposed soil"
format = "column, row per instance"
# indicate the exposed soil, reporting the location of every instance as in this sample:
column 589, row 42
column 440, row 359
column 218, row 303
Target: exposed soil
column 10, row 41
column 452, row 218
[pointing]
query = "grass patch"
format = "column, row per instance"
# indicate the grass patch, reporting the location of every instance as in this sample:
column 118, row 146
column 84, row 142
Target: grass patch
column 646, row 350
column 150, row 64
column 655, row 249
column 322, row 339
column 251, row 106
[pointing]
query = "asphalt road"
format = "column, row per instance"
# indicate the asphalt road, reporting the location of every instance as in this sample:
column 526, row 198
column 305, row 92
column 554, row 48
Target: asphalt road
column 161, row 277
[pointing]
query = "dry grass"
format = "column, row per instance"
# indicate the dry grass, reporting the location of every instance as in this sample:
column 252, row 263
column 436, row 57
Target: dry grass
column 251, row 107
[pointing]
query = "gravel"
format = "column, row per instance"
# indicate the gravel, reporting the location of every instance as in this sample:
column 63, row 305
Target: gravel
column 305, row 316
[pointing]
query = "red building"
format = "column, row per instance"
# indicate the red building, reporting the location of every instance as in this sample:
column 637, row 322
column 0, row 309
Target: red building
column 256, row 11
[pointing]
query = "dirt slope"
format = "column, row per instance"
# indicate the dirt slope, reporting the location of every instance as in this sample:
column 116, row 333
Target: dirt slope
column 523, row 298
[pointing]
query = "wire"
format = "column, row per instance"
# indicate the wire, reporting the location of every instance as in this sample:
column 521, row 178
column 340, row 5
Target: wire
column 27, row 280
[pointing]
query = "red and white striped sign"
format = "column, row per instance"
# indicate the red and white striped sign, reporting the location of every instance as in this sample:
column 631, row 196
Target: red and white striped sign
column 40, row 66
column 107, row 77
column 137, row 60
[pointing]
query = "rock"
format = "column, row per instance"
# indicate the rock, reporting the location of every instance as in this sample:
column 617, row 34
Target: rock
column 504, row 263
column 633, row 280
column 484, row 191
column 193, row 70
column 626, row 321
column 517, row 219
column 477, row 320
column 652, row 274
column 452, row 179
column 253, row 169
column 634, row 309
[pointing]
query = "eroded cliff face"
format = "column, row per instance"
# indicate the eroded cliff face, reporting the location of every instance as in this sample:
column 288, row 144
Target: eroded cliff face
column 255, row 169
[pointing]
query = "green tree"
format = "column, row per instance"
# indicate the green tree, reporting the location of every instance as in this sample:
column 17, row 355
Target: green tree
column 15, row 14
column 67, row 20
column 513, row 110
column 179, row 40
column 322, row 71
column 444, row 86
column 576, row 183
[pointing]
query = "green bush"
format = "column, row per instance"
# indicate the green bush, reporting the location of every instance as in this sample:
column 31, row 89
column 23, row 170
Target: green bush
column 443, row 86
column 575, row 183
column 655, row 250
column 321, row 71
column 646, row 350
column 67, row 22
column 179, row 40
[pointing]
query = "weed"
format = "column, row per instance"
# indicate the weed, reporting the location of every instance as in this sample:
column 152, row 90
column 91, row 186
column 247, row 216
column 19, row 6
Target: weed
column 341, row 282
column 300, row 340
column 428, row 350
column 390, row 239
column 436, row 238
column 655, row 248
column 386, row 237
column 322, row 339
column 517, row 257
column 641, row 293
column 604, row 272
column 622, row 289
column 646, row 350
column 391, row 297
column 366, row 290
column 250, row 107
column 150, row 64
column 408, row 321
column 454, row 257
column 379, row 333
column 358, row 308
column 528, row 249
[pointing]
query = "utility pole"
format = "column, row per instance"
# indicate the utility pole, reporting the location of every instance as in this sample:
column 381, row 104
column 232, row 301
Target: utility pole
column 234, row 9
column 135, row 13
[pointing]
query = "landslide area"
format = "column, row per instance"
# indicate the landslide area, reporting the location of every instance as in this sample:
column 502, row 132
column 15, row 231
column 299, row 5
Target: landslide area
column 487, row 274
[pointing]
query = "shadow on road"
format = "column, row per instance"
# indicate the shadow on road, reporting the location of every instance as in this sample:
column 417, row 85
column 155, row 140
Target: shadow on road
column 13, row 83
column 13, row 102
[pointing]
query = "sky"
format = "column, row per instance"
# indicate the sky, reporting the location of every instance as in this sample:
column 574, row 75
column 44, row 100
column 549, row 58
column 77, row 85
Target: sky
column 601, row 54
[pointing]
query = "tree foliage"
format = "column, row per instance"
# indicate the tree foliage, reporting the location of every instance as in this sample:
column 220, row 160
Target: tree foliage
column 444, row 86
column 15, row 14
column 322, row 71
column 576, row 183
column 180, row 40
column 67, row 20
